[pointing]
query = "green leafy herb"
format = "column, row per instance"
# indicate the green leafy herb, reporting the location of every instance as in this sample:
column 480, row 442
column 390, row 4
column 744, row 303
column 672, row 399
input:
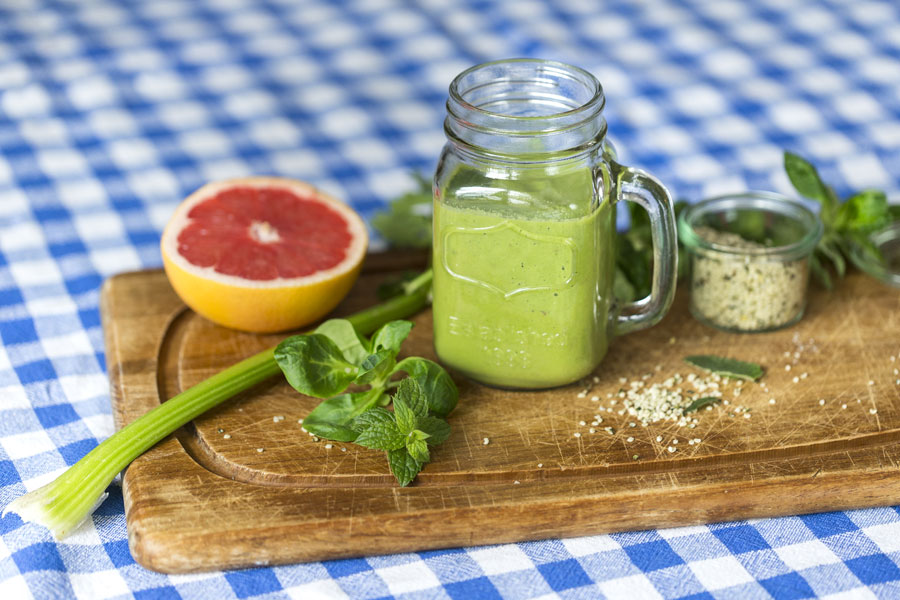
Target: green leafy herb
column 407, row 222
column 421, row 399
column 726, row 367
column 65, row 502
column 699, row 403
column 847, row 225
column 634, row 256
column 314, row 365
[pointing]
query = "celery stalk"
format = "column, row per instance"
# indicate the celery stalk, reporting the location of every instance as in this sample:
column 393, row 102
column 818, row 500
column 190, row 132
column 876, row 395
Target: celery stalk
column 64, row 503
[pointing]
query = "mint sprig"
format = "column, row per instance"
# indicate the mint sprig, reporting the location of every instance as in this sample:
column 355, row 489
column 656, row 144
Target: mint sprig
column 847, row 224
column 325, row 363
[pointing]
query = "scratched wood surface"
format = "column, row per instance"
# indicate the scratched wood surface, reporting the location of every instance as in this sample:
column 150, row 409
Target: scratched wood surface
column 200, row 500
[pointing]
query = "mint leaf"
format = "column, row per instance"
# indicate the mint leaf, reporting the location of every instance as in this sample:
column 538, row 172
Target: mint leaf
column 333, row 418
column 820, row 273
column 403, row 466
column 353, row 346
column 406, row 418
column 378, row 430
column 417, row 449
column 376, row 368
column 407, row 222
column 726, row 367
column 410, row 392
column 439, row 389
column 805, row 179
column 437, row 429
column 391, row 336
column 865, row 211
column 314, row 365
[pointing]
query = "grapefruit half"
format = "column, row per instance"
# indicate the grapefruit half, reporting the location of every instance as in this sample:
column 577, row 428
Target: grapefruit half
column 263, row 254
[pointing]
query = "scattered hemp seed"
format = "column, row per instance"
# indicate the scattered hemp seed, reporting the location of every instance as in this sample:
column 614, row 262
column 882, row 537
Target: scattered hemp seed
column 343, row 449
column 577, row 434
column 771, row 400
column 260, row 450
column 582, row 395
column 329, row 446
column 821, row 401
column 486, row 441
column 315, row 438
column 596, row 379
column 220, row 430
column 873, row 411
column 871, row 382
column 636, row 457
column 592, row 430
column 582, row 423
column 787, row 367
column 675, row 441
column 595, row 398
column 609, row 430
column 796, row 380
column 629, row 439
column 516, row 482
column 843, row 406
column 300, row 421
column 671, row 449
column 746, row 415
column 659, row 438
column 804, row 375
column 227, row 436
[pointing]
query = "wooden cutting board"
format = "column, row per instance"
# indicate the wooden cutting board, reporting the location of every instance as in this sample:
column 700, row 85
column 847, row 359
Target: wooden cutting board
column 200, row 501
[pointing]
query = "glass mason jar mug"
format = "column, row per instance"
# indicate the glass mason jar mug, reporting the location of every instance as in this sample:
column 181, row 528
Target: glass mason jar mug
column 525, row 228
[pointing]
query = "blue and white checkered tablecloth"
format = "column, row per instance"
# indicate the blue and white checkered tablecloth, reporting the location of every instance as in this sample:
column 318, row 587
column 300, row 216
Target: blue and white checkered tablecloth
column 111, row 112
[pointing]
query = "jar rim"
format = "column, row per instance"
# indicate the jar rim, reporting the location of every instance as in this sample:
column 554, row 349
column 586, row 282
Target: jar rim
column 593, row 105
column 771, row 202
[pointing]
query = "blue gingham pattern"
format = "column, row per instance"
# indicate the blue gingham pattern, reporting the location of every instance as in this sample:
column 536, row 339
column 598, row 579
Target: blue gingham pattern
column 110, row 112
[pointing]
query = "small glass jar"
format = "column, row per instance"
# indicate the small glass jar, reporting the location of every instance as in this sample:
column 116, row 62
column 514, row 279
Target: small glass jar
column 749, row 259
column 882, row 259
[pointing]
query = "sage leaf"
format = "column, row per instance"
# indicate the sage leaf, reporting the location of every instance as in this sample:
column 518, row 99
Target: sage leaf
column 378, row 430
column 353, row 347
column 726, row 367
column 333, row 419
column 391, row 336
column 699, row 403
column 403, row 466
column 314, row 365
column 436, row 384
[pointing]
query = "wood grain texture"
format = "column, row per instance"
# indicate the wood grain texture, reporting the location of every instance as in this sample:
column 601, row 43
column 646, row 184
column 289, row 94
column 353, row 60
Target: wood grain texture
column 200, row 501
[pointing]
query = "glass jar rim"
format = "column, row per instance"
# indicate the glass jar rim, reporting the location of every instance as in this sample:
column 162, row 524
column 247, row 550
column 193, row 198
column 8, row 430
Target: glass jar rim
column 592, row 106
column 771, row 202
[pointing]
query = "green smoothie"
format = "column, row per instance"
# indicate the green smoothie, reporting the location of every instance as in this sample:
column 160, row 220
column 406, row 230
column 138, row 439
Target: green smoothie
column 522, row 290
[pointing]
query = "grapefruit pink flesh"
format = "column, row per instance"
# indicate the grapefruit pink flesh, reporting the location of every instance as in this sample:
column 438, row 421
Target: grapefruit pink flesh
column 263, row 254
column 263, row 234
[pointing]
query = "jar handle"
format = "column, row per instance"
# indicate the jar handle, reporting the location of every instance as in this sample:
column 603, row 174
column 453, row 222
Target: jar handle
column 635, row 185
